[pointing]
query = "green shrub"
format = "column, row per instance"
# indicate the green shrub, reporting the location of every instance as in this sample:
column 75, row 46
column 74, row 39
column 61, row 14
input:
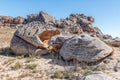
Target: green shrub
column 16, row 66
column 58, row 74
column 31, row 66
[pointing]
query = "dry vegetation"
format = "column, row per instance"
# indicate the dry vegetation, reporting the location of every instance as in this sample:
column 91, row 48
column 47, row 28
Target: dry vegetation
column 5, row 37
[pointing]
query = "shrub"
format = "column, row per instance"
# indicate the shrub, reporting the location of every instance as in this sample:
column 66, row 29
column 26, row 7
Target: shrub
column 58, row 74
column 31, row 66
column 16, row 66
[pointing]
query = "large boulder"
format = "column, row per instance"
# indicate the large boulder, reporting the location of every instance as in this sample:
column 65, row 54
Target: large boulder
column 85, row 48
column 35, row 35
column 98, row 77
column 20, row 46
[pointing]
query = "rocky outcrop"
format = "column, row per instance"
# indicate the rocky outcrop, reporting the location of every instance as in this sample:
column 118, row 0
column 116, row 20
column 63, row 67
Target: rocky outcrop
column 42, row 17
column 77, row 23
column 35, row 34
column 99, row 33
column 107, row 36
column 9, row 21
column 85, row 48
column 113, row 42
column 18, row 20
column 73, row 37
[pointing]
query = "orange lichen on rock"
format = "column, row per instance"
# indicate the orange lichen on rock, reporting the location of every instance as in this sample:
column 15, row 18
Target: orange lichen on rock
column 45, row 36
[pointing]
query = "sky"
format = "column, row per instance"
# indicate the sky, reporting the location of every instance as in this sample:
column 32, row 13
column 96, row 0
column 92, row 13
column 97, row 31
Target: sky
column 105, row 12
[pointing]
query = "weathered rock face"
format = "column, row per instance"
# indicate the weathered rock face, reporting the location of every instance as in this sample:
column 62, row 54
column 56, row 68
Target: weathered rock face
column 57, row 41
column 45, row 17
column 9, row 21
column 113, row 42
column 18, row 20
column 85, row 48
column 42, row 17
column 34, row 34
column 98, row 77
column 76, row 23
column 76, row 29
column 99, row 33
column 42, row 33
column 107, row 36
column 20, row 46
column 32, row 17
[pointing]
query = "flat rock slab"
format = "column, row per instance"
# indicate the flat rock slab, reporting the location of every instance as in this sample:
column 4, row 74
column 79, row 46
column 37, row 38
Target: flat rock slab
column 97, row 77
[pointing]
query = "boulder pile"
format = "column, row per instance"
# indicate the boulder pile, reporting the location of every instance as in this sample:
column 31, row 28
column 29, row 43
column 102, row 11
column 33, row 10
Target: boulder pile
column 73, row 37
column 9, row 21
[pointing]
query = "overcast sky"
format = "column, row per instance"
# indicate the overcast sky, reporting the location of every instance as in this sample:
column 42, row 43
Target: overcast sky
column 105, row 12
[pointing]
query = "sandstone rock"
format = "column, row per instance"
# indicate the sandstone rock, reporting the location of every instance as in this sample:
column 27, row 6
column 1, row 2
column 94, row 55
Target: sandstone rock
column 99, row 33
column 7, row 19
column 98, row 77
column 79, row 20
column 113, row 42
column 91, row 19
column 107, row 36
column 45, row 17
column 34, row 34
column 42, row 17
column 76, row 29
column 85, row 48
column 20, row 46
column 32, row 17
column 89, row 29
column 61, row 24
column 57, row 41
column 18, row 20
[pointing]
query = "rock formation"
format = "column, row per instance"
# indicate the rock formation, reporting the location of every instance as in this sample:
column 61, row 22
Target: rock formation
column 85, row 48
column 73, row 37
column 9, row 21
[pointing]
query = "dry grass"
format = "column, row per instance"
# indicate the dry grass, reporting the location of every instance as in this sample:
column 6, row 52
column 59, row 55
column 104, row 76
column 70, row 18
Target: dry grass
column 5, row 30
column 6, row 36
column 16, row 66
column 31, row 66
